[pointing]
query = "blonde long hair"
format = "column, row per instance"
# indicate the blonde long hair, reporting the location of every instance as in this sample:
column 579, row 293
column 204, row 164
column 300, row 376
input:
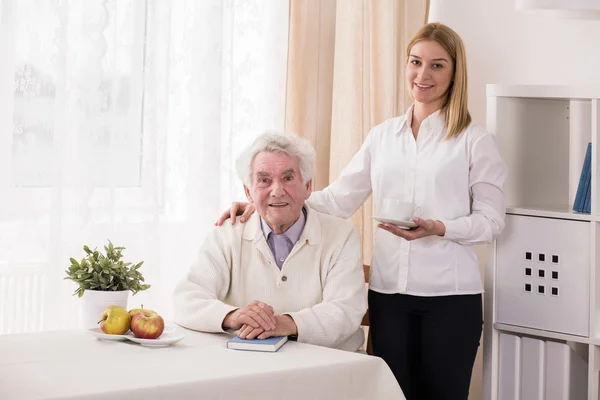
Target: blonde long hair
column 454, row 107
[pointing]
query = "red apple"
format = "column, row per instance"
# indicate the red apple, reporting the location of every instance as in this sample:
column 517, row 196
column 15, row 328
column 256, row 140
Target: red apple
column 147, row 325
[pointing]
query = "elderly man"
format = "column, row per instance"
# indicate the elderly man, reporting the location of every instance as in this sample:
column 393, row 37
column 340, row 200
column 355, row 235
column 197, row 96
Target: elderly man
column 288, row 271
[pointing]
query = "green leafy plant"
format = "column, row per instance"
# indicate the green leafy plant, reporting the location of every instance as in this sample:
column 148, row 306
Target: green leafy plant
column 105, row 272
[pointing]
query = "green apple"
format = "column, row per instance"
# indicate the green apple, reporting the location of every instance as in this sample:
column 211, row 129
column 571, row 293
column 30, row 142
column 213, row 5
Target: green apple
column 147, row 325
column 115, row 320
column 134, row 311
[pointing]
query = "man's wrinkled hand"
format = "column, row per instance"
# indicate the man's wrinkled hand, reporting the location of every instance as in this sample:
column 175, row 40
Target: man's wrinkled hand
column 256, row 315
column 285, row 326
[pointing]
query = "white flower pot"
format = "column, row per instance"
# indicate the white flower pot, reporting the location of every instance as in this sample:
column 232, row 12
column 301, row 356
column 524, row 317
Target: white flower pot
column 94, row 302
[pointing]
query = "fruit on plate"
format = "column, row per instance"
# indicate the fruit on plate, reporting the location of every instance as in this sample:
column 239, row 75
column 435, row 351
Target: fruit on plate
column 115, row 320
column 134, row 311
column 147, row 325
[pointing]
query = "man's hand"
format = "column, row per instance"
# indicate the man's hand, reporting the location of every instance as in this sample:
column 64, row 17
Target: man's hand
column 255, row 315
column 425, row 227
column 285, row 327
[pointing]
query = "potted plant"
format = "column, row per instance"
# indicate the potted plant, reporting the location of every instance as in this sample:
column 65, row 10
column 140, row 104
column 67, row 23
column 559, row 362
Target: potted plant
column 105, row 280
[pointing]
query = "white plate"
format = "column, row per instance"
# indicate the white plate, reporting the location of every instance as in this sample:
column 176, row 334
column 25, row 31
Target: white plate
column 399, row 224
column 166, row 339
column 103, row 336
column 97, row 332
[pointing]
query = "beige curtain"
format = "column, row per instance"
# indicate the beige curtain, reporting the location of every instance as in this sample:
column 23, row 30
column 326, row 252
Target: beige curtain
column 345, row 75
column 311, row 48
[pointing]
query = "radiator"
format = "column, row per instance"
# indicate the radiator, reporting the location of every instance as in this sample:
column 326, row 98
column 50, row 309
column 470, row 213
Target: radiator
column 21, row 300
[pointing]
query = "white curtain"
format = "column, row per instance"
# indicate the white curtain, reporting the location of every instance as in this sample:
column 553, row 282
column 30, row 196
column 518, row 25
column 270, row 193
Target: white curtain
column 121, row 120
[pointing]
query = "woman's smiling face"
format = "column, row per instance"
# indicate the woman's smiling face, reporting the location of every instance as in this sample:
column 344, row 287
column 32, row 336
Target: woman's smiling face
column 429, row 72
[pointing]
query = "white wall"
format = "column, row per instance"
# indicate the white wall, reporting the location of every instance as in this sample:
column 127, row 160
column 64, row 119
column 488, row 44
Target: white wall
column 505, row 46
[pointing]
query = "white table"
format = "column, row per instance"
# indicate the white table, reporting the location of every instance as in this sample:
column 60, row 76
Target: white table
column 74, row 364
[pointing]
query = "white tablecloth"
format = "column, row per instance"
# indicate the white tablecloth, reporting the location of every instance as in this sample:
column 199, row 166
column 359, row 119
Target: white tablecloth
column 74, row 364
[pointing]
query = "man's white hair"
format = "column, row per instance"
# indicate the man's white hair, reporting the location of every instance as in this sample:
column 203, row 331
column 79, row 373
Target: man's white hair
column 278, row 142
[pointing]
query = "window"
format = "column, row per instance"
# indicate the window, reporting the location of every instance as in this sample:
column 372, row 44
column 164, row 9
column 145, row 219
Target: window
column 78, row 76
column 122, row 120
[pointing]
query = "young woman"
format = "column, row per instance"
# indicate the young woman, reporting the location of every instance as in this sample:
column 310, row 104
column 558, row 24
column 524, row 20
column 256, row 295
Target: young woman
column 425, row 289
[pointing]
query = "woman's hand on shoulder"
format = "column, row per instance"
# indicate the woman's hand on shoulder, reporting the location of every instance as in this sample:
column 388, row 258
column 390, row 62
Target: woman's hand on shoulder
column 425, row 227
column 237, row 208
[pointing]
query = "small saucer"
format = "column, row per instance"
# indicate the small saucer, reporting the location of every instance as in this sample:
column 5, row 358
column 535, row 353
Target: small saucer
column 399, row 224
column 164, row 340
column 104, row 336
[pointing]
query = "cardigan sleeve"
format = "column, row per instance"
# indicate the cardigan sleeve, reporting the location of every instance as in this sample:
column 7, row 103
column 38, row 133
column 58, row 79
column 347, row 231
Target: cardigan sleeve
column 332, row 322
column 197, row 297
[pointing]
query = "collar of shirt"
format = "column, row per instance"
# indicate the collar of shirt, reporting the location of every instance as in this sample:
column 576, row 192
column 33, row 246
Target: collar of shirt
column 293, row 233
column 433, row 123
column 311, row 232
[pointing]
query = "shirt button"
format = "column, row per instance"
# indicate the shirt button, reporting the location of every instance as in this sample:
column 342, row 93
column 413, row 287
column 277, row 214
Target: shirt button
column 277, row 236
column 282, row 259
column 284, row 278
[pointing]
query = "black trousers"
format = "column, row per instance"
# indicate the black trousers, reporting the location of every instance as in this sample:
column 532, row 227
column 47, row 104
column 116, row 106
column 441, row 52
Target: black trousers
column 429, row 343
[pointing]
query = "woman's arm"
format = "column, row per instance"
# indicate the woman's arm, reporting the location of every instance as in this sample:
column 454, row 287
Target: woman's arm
column 487, row 174
column 350, row 190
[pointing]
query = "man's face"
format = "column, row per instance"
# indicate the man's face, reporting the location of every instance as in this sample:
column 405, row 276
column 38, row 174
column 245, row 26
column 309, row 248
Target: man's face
column 276, row 189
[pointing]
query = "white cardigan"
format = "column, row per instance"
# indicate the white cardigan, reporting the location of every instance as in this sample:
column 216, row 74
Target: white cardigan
column 320, row 285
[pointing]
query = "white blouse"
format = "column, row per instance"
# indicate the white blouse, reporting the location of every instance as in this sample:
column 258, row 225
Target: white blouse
column 457, row 181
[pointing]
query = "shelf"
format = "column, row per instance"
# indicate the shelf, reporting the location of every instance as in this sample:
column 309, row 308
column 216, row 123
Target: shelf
column 581, row 9
column 559, row 212
column 544, row 91
column 541, row 277
column 545, row 334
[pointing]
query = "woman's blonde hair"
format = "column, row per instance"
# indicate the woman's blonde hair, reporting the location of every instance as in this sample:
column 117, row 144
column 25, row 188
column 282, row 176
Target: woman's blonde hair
column 454, row 107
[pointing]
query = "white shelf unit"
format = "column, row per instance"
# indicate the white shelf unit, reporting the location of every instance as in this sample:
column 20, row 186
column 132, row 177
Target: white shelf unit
column 542, row 133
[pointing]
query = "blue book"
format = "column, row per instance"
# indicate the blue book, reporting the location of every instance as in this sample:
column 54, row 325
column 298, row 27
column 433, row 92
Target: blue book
column 587, row 198
column 587, row 203
column 584, row 187
column 271, row 344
